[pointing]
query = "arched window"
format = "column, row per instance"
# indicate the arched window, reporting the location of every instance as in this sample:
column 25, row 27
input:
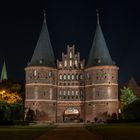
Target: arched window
column 60, row 92
column 50, row 74
column 60, row 77
column 64, row 77
column 70, row 54
column 34, row 73
column 76, row 63
column 77, row 77
column 70, row 63
column 81, row 76
column 72, row 77
column 68, row 77
column 65, row 63
column 87, row 75
column 36, row 92
column 64, row 93
column 68, row 92
column 72, row 93
column 51, row 94
column 81, row 66
column 76, row 93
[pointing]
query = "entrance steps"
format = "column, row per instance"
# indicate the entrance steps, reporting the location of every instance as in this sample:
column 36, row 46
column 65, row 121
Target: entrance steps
column 69, row 124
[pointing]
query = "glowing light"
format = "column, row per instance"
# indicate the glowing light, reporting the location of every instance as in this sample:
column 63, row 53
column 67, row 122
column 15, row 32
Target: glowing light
column 9, row 98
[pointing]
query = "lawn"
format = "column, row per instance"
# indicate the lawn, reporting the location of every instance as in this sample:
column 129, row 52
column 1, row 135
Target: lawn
column 116, row 131
column 22, row 132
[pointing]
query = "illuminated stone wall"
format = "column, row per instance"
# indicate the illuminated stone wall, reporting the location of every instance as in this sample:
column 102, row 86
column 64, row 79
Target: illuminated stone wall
column 101, row 86
column 41, row 92
column 93, row 91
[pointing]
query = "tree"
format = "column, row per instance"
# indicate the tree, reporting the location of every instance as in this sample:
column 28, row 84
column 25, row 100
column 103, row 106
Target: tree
column 127, row 96
column 130, row 104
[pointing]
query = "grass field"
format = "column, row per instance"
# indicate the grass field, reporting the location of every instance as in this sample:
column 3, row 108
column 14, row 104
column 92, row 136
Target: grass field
column 117, row 131
column 22, row 132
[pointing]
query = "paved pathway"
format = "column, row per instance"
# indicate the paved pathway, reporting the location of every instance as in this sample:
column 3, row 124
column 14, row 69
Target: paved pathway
column 69, row 133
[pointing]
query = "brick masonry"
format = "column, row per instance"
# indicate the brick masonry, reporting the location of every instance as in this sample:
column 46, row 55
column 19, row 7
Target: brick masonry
column 93, row 91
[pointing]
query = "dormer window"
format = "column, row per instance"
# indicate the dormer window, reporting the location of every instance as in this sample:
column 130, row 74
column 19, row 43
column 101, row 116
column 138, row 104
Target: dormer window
column 41, row 60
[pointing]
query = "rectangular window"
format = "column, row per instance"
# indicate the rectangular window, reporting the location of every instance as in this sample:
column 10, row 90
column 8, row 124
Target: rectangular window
column 50, row 93
column 36, row 92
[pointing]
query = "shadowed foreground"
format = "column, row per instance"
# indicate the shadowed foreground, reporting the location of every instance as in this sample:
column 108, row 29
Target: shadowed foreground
column 69, row 133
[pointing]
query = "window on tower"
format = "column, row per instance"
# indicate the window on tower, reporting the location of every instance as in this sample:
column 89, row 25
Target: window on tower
column 36, row 92
column 50, row 74
column 68, row 77
column 60, row 77
column 34, row 73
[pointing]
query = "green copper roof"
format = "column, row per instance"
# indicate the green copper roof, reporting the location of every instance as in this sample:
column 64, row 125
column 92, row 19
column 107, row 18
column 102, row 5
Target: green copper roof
column 99, row 53
column 4, row 72
column 43, row 53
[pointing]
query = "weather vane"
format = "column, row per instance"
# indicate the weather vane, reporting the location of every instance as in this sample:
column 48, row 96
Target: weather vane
column 44, row 11
column 97, row 12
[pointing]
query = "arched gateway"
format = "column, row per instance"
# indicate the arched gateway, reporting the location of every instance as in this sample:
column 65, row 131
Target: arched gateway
column 71, row 114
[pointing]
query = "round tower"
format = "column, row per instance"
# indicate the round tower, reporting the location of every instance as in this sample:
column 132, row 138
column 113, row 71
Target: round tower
column 41, row 81
column 101, row 82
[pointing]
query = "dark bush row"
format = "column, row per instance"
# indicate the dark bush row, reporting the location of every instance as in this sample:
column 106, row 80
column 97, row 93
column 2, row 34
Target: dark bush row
column 124, row 121
column 8, row 123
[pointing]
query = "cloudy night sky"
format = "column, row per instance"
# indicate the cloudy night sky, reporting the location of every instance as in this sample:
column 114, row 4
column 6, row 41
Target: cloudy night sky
column 70, row 22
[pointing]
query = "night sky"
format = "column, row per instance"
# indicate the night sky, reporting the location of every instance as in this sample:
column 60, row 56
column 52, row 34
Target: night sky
column 70, row 22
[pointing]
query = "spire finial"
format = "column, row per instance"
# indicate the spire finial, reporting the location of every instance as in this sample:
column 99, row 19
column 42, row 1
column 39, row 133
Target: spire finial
column 97, row 13
column 44, row 11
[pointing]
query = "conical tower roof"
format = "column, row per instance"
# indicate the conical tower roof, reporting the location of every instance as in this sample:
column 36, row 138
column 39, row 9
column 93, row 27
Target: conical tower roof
column 43, row 54
column 4, row 72
column 99, row 53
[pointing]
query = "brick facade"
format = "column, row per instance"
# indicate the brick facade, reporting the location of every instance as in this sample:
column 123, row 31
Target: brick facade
column 93, row 91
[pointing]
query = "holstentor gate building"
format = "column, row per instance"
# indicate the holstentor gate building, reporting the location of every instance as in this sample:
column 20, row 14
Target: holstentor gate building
column 70, row 88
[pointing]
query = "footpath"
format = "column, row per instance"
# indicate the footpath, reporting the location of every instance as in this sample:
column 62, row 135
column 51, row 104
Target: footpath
column 69, row 132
